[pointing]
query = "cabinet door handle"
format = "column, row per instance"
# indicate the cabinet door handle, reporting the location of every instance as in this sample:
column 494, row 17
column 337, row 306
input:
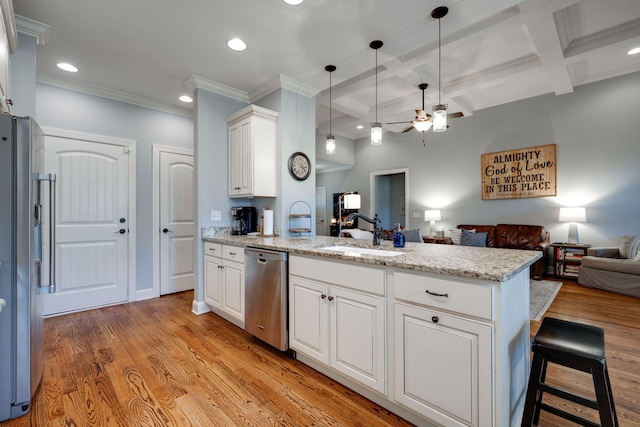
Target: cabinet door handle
column 232, row 253
column 323, row 296
column 330, row 298
column 437, row 294
column 435, row 319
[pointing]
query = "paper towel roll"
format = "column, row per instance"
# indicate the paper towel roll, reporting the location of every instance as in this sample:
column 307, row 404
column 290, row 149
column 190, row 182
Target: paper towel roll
column 267, row 223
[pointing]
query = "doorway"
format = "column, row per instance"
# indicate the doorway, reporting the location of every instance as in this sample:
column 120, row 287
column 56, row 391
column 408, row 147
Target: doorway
column 389, row 197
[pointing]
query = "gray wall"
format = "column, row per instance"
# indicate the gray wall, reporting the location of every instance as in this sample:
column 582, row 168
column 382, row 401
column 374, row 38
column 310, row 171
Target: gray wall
column 70, row 110
column 597, row 133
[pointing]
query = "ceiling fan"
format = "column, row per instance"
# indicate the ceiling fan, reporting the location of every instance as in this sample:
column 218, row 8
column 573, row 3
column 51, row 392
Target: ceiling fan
column 424, row 121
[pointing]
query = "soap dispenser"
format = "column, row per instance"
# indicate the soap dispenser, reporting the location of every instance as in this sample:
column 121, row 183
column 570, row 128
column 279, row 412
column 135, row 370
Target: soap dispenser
column 398, row 238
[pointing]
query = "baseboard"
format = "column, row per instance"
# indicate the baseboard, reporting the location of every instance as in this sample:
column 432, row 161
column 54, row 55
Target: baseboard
column 199, row 307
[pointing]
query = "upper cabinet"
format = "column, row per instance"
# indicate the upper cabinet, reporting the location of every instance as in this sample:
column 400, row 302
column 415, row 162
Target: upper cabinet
column 252, row 153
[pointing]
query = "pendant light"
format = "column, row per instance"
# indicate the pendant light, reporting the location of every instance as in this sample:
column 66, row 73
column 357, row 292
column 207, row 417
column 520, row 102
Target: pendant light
column 440, row 110
column 330, row 146
column 376, row 127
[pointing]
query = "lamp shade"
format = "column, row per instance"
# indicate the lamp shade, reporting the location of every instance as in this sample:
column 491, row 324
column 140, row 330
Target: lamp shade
column 352, row 201
column 376, row 133
column 422, row 126
column 572, row 215
column 432, row 215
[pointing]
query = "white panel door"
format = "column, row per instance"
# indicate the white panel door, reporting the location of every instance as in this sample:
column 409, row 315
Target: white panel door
column 176, row 223
column 92, row 229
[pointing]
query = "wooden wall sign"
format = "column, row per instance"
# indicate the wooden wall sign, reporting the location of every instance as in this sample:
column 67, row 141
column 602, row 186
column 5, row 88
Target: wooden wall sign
column 517, row 174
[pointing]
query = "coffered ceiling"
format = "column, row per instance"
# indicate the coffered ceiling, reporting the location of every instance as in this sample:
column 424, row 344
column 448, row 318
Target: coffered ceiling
column 493, row 51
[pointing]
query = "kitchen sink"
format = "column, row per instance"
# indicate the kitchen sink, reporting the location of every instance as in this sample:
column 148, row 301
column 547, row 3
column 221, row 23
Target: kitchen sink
column 355, row 251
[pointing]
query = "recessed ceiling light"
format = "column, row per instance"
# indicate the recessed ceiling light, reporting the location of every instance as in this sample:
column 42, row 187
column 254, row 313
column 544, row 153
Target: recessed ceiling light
column 237, row 44
column 634, row 51
column 360, row 127
column 185, row 98
column 293, row 2
column 67, row 67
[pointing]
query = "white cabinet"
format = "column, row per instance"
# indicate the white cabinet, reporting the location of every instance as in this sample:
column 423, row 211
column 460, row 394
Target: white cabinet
column 443, row 349
column 443, row 366
column 340, row 327
column 252, row 157
column 224, row 281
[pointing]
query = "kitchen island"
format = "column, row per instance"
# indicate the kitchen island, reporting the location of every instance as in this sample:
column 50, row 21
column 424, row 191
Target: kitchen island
column 438, row 334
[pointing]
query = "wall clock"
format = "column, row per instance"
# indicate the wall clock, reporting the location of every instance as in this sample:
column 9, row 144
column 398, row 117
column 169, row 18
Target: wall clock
column 299, row 166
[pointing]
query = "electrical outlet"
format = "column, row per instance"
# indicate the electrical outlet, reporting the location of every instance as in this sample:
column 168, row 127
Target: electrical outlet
column 216, row 216
column 416, row 214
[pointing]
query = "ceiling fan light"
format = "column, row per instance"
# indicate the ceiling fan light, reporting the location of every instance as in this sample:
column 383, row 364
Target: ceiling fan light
column 376, row 133
column 439, row 118
column 330, row 145
column 422, row 126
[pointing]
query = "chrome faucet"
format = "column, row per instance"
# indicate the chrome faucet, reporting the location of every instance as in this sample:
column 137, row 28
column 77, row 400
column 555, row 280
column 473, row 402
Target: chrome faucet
column 377, row 226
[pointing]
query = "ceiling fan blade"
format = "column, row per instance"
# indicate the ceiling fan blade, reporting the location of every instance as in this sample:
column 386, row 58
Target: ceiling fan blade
column 410, row 128
column 397, row 123
column 455, row 115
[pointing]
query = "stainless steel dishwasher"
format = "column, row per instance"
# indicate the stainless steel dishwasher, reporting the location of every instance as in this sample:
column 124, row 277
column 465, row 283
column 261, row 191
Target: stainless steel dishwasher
column 265, row 299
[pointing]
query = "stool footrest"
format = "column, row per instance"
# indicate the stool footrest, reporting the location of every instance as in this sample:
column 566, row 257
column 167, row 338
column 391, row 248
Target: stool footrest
column 568, row 396
column 568, row 416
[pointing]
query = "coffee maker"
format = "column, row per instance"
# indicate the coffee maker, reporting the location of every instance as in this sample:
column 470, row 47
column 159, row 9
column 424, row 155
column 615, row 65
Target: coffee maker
column 245, row 220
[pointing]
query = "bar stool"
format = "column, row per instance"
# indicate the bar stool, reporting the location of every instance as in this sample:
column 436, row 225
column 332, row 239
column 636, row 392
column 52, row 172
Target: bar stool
column 575, row 346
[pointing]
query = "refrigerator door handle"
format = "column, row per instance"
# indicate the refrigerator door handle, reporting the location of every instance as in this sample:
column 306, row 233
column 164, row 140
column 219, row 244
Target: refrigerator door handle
column 51, row 178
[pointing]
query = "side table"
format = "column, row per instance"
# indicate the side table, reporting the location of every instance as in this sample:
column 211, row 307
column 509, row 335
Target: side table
column 567, row 258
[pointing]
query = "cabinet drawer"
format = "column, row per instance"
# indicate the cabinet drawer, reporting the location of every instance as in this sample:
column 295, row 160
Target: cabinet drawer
column 233, row 253
column 461, row 297
column 368, row 278
column 213, row 249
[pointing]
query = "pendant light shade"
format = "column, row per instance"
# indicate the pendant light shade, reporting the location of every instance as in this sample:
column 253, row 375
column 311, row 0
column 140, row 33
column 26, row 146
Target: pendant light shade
column 330, row 145
column 440, row 110
column 376, row 127
column 439, row 118
column 376, row 133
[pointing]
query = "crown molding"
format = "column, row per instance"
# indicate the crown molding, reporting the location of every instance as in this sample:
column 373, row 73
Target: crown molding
column 115, row 95
column 281, row 81
column 33, row 28
column 195, row 81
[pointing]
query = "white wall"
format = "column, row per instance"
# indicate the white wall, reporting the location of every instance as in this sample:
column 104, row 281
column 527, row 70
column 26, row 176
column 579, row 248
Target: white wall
column 597, row 132
column 70, row 110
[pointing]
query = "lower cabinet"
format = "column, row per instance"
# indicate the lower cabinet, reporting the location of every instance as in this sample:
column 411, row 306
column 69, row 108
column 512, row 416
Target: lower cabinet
column 341, row 328
column 224, row 281
column 443, row 366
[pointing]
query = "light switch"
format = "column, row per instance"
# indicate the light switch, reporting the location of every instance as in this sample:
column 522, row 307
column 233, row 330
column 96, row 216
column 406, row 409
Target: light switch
column 416, row 214
column 216, row 216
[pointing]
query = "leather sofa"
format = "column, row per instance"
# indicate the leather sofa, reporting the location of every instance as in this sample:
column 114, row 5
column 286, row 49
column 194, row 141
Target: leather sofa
column 517, row 236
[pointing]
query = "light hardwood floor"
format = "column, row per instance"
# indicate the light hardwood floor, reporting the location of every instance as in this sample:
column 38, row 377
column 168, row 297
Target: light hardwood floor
column 154, row 363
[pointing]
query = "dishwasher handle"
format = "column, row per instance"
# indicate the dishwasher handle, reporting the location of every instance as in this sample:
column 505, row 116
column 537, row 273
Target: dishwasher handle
column 262, row 260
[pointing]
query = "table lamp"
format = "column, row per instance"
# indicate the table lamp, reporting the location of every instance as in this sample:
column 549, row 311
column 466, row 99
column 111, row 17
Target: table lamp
column 573, row 215
column 351, row 200
column 432, row 216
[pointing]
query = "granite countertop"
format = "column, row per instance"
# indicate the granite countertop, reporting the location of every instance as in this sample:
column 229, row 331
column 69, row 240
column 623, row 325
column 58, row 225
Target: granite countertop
column 464, row 261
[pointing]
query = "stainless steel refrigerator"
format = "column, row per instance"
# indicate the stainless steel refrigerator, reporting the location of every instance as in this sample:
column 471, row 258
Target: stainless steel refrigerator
column 26, row 241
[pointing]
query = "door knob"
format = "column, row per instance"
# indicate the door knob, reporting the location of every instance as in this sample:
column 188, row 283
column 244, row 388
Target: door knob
column 166, row 230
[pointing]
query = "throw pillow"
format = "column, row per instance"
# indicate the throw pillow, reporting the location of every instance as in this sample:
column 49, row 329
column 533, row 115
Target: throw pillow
column 412, row 236
column 637, row 257
column 634, row 248
column 624, row 246
column 456, row 235
column 473, row 239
